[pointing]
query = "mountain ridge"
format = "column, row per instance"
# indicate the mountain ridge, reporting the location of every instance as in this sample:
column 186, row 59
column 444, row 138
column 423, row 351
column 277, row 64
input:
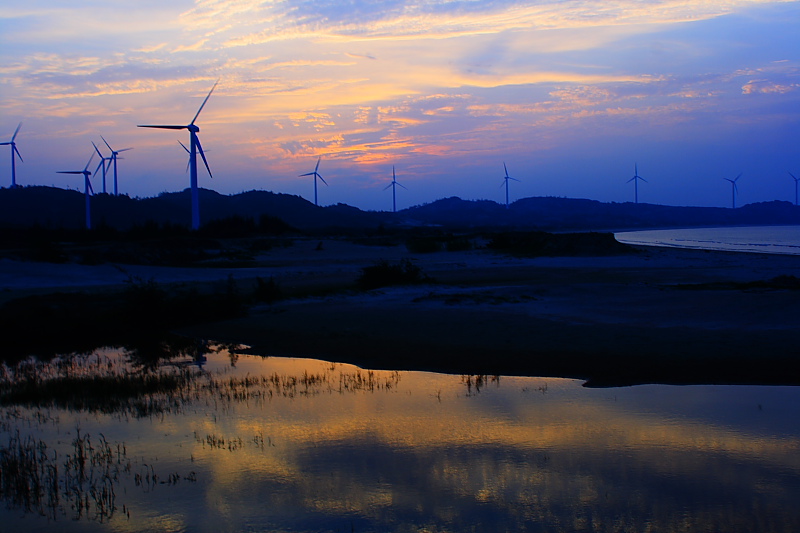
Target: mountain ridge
column 52, row 207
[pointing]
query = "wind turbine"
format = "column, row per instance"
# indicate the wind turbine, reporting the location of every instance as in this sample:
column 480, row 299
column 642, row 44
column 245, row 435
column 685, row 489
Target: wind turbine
column 393, row 185
column 14, row 154
column 734, row 188
column 635, row 179
column 87, row 188
column 316, row 176
column 102, row 164
column 194, row 147
column 505, row 181
column 114, row 154
column 796, row 180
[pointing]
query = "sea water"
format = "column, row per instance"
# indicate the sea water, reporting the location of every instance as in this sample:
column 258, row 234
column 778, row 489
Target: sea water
column 247, row 443
column 756, row 239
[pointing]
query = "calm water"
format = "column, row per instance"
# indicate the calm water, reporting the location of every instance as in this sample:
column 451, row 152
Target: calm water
column 760, row 239
column 252, row 444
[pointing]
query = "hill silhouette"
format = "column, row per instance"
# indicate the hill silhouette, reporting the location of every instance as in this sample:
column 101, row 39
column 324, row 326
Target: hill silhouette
column 51, row 207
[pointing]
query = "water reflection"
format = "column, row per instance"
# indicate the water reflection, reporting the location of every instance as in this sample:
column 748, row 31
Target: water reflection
column 245, row 443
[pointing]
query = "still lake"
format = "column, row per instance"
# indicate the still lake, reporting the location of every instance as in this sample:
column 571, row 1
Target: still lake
column 246, row 443
column 759, row 239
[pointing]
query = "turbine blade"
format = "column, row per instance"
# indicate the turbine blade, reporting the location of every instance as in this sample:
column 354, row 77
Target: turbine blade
column 88, row 162
column 96, row 149
column 308, row 174
column 403, row 186
column 204, row 102
column 793, row 177
column 316, row 168
column 184, row 147
column 124, row 150
column 89, row 184
column 203, row 155
column 515, row 179
column 160, row 127
column 392, row 183
column 102, row 164
column 323, row 180
column 14, row 147
column 505, row 168
column 16, row 131
column 109, row 146
column 737, row 177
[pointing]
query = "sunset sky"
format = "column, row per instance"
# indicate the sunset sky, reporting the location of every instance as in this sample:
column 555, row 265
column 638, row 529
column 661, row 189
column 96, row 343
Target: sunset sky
column 570, row 94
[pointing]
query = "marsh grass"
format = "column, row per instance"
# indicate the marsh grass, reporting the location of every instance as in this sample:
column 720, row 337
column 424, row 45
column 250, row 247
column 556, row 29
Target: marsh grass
column 79, row 484
column 124, row 387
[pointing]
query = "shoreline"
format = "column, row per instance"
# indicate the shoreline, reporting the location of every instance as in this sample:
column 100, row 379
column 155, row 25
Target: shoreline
column 660, row 315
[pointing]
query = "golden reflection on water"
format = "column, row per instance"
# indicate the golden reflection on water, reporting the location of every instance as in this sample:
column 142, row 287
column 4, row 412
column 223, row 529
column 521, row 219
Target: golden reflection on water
column 313, row 446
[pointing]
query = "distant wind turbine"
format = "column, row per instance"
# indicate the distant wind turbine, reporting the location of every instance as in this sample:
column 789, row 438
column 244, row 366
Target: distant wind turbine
column 796, row 180
column 394, row 185
column 102, row 164
column 87, row 188
column 635, row 179
column 194, row 147
column 506, row 180
column 114, row 154
column 14, row 154
column 316, row 176
column 734, row 189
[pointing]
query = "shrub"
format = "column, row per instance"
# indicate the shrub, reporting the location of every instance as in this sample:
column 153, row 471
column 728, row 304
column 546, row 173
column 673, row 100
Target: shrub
column 384, row 274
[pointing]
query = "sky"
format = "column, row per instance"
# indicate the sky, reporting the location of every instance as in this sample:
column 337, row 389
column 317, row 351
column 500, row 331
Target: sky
column 569, row 94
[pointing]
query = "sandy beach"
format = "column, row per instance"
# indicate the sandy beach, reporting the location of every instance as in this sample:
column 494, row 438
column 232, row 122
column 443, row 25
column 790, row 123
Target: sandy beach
column 661, row 314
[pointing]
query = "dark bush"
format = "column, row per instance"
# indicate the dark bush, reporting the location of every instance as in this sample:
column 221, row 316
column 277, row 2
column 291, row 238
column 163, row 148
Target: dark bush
column 267, row 291
column 384, row 274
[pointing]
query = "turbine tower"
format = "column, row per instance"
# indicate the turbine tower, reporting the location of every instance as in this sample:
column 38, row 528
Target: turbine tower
column 87, row 188
column 14, row 154
column 102, row 164
column 734, row 189
column 635, row 179
column 393, row 185
column 316, row 176
column 114, row 154
column 194, row 147
column 505, row 181
column 796, row 180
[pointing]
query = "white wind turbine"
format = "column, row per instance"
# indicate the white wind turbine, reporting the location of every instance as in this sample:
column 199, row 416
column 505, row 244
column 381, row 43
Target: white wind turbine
column 734, row 189
column 505, row 182
column 194, row 148
column 635, row 179
column 102, row 164
column 87, row 188
column 394, row 185
column 14, row 154
column 796, row 180
column 316, row 176
column 113, row 161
